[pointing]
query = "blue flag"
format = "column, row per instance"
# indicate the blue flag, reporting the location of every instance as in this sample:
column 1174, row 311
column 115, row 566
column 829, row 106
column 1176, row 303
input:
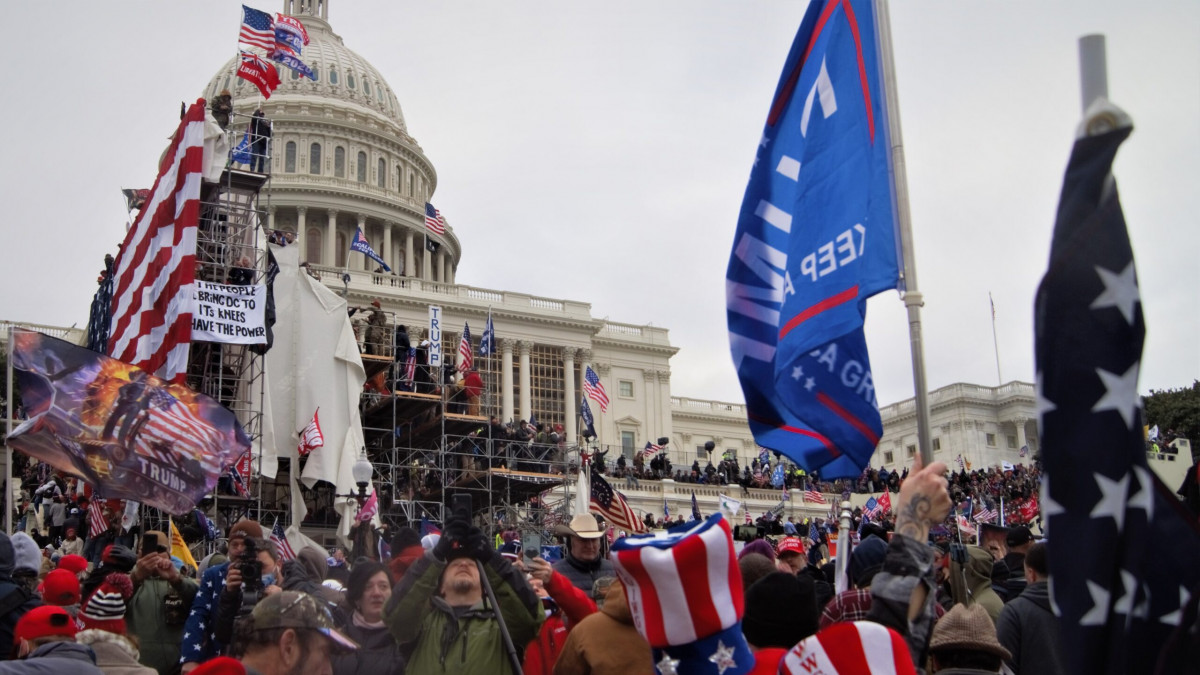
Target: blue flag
column 763, row 456
column 292, row 62
column 815, row 238
column 695, row 507
column 241, row 154
column 585, row 411
column 363, row 246
column 777, row 475
column 487, row 343
column 666, row 510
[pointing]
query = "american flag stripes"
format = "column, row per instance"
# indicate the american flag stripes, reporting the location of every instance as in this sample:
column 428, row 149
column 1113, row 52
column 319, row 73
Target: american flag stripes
column 985, row 515
column 811, row 495
column 410, row 365
column 651, row 449
column 311, row 437
column 258, row 29
column 96, row 522
column 682, row 586
column 594, row 388
column 612, row 505
column 466, row 355
column 433, row 220
column 155, row 272
column 279, row 538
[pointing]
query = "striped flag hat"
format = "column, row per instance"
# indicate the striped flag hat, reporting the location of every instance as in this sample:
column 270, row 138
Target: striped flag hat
column 684, row 590
column 852, row 648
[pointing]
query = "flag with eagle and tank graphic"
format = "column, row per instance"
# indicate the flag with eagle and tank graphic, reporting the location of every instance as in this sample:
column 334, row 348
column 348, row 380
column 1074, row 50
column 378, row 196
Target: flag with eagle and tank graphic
column 816, row 237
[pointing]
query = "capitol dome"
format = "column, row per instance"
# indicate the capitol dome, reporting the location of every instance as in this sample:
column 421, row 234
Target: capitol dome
column 342, row 158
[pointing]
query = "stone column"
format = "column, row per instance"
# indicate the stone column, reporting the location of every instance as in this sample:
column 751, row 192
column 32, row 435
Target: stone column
column 361, row 260
column 330, row 257
column 450, row 271
column 524, row 347
column 441, row 267
column 386, row 253
column 408, row 253
column 570, row 413
column 506, row 383
column 426, row 262
column 1020, row 423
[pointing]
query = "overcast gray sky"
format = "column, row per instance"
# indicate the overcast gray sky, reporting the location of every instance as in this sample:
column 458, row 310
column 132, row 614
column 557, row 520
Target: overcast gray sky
column 599, row 152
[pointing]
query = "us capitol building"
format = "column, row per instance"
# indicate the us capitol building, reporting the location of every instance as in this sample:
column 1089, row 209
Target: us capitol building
column 342, row 158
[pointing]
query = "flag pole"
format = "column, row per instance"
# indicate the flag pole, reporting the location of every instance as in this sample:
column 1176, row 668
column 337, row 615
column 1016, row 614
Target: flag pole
column 913, row 300
column 995, row 343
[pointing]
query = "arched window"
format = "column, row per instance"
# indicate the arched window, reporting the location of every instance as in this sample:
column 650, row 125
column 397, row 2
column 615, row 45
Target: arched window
column 362, row 167
column 333, row 76
column 313, row 245
column 314, row 158
column 339, row 162
column 399, row 177
column 367, row 87
column 295, row 74
column 381, row 179
column 350, row 80
column 340, row 250
column 289, row 157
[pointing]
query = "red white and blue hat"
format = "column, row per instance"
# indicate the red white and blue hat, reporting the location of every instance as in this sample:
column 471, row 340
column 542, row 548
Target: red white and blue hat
column 684, row 589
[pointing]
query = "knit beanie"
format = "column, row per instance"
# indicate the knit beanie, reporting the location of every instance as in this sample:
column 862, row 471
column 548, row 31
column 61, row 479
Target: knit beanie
column 61, row 587
column 73, row 563
column 781, row 610
column 246, row 528
column 684, row 590
column 866, row 560
column 758, row 546
column 105, row 608
column 26, row 554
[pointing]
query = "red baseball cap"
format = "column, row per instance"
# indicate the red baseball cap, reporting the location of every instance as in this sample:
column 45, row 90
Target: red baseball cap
column 44, row 621
column 61, row 588
column 790, row 545
column 73, row 563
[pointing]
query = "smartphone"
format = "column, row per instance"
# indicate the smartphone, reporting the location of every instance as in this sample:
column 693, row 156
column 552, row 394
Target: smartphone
column 149, row 543
column 532, row 541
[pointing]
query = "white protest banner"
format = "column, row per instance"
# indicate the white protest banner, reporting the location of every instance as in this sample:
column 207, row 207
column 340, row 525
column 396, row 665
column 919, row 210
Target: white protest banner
column 230, row 314
column 435, row 339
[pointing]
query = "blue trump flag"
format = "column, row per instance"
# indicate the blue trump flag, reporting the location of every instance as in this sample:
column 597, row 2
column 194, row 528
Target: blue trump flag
column 816, row 237
column 585, row 411
column 363, row 246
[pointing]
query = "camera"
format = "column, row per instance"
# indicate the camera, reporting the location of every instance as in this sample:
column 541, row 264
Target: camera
column 958, row 553
column 251, row 569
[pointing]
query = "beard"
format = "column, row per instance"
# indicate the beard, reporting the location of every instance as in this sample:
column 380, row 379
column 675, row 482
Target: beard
column 462, row 586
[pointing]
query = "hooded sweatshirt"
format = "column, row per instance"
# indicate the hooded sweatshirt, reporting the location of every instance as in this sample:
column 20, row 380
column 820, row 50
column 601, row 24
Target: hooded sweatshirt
column 1028, row 629
column 606, row 642
column 972, row 583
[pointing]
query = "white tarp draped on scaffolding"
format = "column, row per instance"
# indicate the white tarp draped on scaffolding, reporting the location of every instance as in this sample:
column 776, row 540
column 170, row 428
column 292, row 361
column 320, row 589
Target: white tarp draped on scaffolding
column 314, row 363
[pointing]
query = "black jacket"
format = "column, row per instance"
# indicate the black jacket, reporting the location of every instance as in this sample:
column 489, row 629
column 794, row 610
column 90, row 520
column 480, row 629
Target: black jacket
column 583, row 575
column 1029, row 630
column 22, row 601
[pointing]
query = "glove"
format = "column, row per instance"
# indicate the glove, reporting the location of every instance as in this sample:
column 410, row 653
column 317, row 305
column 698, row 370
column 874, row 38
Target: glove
column 477, row 546
column 453, row 537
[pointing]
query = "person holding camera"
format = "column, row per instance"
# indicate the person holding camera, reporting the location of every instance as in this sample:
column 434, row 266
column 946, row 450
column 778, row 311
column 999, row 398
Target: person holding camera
column 440, row 612
column 252, row 576
column 160, row 603
column 199, row 642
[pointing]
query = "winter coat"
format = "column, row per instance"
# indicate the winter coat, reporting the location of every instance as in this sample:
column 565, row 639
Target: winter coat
column 437, row 640
column 7, row 587
column 115, row 654
column 377, row 653
column 146, row 618
column 55, row 658
column 571, row 606
column 606, row 643
column 1028, row 629
column 978, row 581
column 71, row 547
column 584, row 574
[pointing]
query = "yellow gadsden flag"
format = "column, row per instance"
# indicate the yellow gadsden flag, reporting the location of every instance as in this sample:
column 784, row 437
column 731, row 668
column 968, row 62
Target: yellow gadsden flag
column 179, row 548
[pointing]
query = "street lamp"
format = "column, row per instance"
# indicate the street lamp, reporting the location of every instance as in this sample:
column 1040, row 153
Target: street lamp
column 361, row 471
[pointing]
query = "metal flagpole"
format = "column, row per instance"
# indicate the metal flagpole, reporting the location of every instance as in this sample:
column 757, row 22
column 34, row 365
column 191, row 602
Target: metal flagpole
column 913, row 299
column 995, row 343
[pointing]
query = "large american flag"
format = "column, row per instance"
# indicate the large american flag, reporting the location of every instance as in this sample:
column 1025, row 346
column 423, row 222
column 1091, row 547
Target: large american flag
column 410, row 365
column 612, row 505
column 466, row 355
column 258, row 29
column 651, row 449
column 154, row 274
column 594, row 388
column 1123, row 552
column 811, row 495
column 433, row 220
column 279, row 538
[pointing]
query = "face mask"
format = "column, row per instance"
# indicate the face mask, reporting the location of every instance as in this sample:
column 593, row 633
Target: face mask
column 268, row 580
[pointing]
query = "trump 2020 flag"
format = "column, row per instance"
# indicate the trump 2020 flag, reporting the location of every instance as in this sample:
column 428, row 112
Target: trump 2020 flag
column 816, row 237
column 1124, row 555
column 363, row 246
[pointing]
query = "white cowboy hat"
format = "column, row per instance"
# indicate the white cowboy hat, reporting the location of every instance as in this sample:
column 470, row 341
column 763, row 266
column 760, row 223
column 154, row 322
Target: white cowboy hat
column 583, row 525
